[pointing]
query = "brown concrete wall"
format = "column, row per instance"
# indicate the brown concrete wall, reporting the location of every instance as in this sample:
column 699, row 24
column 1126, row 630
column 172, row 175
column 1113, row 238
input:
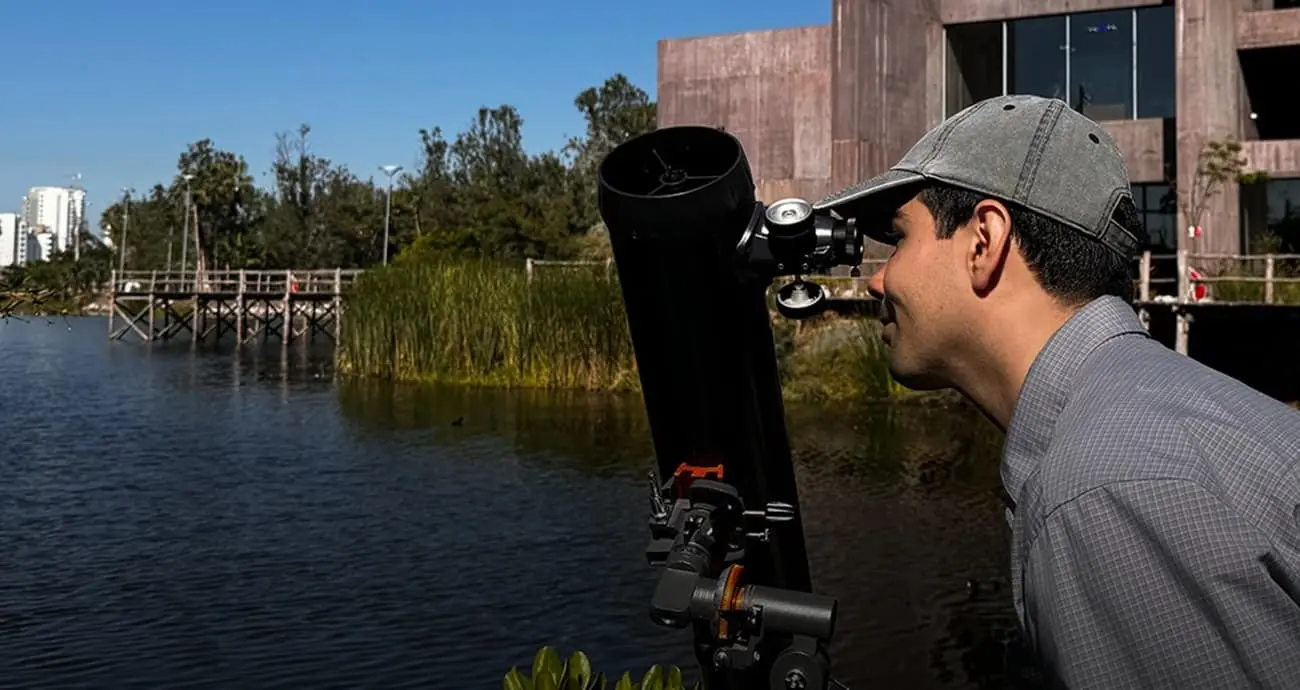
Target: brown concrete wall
column 1268, row 29
column 819, row 108
column 885, row 85
column 1278, row 158
column 1143, row 144
column 1209, row 108
column 958, row 11
column 769, row 88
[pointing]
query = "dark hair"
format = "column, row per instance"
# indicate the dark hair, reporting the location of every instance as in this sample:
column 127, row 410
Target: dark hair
column 1071, row 266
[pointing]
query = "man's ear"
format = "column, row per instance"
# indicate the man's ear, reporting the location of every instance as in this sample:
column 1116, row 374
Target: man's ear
column 989, row 245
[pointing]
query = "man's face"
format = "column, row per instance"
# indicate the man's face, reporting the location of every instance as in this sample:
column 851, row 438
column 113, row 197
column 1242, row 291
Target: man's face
column 919, row 289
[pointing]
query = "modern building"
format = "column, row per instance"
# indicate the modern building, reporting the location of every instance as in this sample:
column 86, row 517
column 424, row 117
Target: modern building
column 13, row 237
column 821, row 107
column 41, row 245
column 55, row 210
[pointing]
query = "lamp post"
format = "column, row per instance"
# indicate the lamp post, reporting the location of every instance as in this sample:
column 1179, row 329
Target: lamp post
column 76, row 211
column 390, row 171
column 126, row 224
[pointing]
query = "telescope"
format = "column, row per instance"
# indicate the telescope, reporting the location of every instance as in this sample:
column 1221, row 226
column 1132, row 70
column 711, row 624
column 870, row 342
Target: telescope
column 696, row 254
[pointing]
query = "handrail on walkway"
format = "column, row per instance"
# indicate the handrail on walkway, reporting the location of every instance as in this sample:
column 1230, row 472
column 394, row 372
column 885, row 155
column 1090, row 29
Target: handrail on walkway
column 234, row 281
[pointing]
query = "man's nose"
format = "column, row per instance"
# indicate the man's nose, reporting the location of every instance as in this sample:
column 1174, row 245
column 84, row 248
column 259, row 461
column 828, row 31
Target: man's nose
column 876, row 283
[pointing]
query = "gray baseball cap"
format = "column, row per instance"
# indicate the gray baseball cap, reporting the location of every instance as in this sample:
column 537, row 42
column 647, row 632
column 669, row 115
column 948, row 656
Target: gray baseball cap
column 1034, row 152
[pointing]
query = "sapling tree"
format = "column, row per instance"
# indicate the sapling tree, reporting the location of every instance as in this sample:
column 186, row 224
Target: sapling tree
column 1220, row 162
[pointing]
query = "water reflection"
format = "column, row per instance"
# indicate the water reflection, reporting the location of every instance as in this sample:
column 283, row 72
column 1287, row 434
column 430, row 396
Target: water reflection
column 219, row 519
column 901, row 509
column 601, row 434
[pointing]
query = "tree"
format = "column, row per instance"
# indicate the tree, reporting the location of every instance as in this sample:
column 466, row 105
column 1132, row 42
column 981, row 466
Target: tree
column 615, row 112
column 1219, row 163
column 478, row 193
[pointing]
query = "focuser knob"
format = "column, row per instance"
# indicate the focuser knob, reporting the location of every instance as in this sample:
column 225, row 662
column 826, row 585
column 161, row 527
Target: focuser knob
column 773, row 512
column 779, row 512
column 800, row 299
column 757, row 522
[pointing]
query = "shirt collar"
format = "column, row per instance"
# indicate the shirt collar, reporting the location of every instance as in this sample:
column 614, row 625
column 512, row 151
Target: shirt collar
column 1048, row 386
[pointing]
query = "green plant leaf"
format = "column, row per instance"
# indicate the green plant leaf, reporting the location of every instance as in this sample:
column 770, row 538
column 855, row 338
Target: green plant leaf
column 674, row 680
column 653, row 679
column 597, row 682
column 515, row 680
column 546, row 661
column 546, row 680
column 579, row 671
column 624, row 683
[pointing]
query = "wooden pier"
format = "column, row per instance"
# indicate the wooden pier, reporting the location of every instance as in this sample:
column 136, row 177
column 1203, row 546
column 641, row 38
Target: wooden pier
column 1186, row 285
column 293, row 305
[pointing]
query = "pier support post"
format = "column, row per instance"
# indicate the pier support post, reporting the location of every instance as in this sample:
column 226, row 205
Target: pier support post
column 241, row 309
column 1268, row 279
column 286, row 332
column 1144, row 277
column 153, row 301
column 338, row 306
column 112, row 299
column 1182, row 320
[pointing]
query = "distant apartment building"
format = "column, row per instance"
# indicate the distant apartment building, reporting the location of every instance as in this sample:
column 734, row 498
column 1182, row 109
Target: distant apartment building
column 40, row 246
column 821, row 107
column 12, row 238
column 56, row 211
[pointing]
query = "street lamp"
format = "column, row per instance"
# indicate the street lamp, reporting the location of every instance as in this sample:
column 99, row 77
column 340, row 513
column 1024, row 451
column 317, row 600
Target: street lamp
column 390, row 171
column 75, row 216
column 126, row 223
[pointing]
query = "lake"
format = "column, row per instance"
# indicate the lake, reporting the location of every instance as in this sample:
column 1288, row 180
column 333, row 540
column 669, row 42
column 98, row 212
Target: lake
column 179, row 519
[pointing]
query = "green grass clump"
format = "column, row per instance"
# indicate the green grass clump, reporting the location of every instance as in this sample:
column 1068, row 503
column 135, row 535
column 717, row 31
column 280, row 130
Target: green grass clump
column 482, row 322
column 834, row 358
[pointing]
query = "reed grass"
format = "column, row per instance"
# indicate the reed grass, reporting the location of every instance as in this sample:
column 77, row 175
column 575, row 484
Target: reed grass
column 833, row 358
column 483, row 323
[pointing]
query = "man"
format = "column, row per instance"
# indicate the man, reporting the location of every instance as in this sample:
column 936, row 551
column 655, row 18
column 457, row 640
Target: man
column 1154, row 502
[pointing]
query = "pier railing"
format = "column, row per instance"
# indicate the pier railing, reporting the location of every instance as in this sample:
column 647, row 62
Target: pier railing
column 840, row 286
column 1185, row 277
column 1182, row 277
column 332, row 281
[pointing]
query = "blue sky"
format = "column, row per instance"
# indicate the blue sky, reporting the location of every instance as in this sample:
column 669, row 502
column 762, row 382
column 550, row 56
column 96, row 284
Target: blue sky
column 114, row 90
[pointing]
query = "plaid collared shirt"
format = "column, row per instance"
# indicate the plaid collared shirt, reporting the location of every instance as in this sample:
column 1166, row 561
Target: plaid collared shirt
column 1155, row 514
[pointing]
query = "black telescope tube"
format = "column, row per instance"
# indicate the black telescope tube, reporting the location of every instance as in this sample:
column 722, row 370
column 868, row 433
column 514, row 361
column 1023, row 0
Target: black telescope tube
column 676, row 202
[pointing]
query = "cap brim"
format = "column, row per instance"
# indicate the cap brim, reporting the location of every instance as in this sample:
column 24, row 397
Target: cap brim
column 874, row 201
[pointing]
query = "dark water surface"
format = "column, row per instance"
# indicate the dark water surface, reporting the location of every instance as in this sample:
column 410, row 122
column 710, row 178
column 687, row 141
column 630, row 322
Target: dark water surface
column 171, row 519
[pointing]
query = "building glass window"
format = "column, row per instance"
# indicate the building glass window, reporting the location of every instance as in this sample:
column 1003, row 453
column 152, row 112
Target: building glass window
column 1101, row 64
column 1270, row 216
column 974, row 64
column 1109, row 65
column 1036, row 60
column 1159, row 209
column 1155, row 62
